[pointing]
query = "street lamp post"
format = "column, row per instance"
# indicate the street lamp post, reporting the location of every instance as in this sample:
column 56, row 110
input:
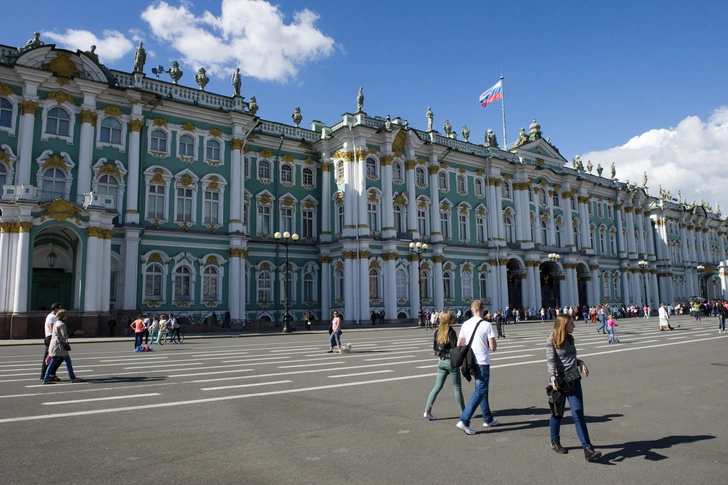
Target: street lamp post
column 643, row 268
column 286, row 239
column 701, row 270
column 418, row 249
column 555, row 257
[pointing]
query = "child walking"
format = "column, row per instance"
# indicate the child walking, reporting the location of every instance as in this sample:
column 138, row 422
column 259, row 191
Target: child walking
column 610, row 329
column 154, row 330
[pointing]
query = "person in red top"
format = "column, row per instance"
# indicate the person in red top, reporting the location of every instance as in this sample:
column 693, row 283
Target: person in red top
column 138, row 326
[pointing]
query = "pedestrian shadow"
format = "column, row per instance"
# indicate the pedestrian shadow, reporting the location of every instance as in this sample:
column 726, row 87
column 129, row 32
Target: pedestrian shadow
column 646, row 449
column 110, row 380
column 543, row 422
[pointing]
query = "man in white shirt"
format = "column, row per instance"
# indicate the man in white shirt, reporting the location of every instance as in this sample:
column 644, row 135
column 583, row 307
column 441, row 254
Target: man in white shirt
column 483, row 343
column 48, row 329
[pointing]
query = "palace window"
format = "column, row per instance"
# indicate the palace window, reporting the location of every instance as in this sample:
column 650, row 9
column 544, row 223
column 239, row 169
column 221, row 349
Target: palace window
column 264, row 287
column 3, row 175
column 445, row 224
column 373, row 214
column 397, row 171
column 110, row 131
column 508, row 223
column 185, row 197
column 613, row 243
column 463, row 226
column 602, row 242
column 159, row 141
column 544, row 233
column 58, row 122
column 340, row 219
column 506, row 190
column 480, row 225
column 153, row 282
column 210, row 284
column 467, row 286
column 307, row 223
column 398, row 219
column 263, row 170
column 422, row 222
column 187, row 146
column 156, row 201
column 182, row 283
column 212, row 150
column 442, row 181
column 556, row 199
column 108, row 185
column 339, row 285
column 54, row 181
column 483, row 280
column 461, row 183
column 307, row 176
column 309, row 293
column 287, row 219
column 559, row 235
column 600, row 209
column 478, row 187
column 211, row 207
column 447, row 284
column 420, row 178
column 371, row 167
column 340, row 170
column 6, row 113
column 264, row 219
column 402, row 284
column 375, row 284
column 286, row 174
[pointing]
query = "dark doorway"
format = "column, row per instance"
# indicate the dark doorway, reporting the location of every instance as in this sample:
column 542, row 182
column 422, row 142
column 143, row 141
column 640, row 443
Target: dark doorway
column 50, row 286
column 514, row 284
column 550, row 294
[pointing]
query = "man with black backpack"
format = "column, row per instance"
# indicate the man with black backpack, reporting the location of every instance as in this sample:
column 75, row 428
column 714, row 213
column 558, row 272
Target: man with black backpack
column 478, row 333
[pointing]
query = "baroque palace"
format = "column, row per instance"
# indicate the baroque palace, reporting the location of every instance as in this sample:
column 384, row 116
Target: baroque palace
column 123, row 193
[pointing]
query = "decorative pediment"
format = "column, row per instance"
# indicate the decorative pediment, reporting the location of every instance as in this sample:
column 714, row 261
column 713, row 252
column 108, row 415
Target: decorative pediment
column 60, row 210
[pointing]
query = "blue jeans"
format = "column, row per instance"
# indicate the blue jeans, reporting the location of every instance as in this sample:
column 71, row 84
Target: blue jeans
column 721, row 322
column 602, row 323
column 335, row 339
column 576, row 404
column 56, row 361
column 138, row 337
column 479, row 397
column 443, row 370
column 611, row 333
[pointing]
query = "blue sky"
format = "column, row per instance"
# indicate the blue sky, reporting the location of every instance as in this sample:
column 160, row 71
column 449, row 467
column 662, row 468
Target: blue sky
column 640, row 83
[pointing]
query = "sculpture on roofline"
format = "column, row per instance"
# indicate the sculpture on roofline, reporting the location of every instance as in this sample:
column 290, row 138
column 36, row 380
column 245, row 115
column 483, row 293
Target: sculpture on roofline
column 430, row 119
column 253, row 106
column 679, row 196
column 297, row 117
column 522, row 138
column 613, row 171
column 201, row 78
column 359, row 100
column 92, row 54
column 589, row 166
column 466, row 133
column 237, row 82
column 406, row 125
column 644, row 180
column 388, row 124
column 140, row 58
column 175, row 73
column 576, row 162
column 490, row 139
column 600, row 169
column 447, row 127
column 32, row 43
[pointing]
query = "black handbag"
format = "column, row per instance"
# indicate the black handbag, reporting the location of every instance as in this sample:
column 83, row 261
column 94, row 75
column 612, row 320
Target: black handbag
column 464, row 355
column 67, row 346
column 572, row 374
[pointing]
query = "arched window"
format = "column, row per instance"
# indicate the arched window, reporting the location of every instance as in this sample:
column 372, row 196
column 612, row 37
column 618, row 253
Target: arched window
column 577, row 236
column 397, row 171
column 506, row 190
column 615, row 282
column 339, row 285
column 508, row 223
column 559, row 235
column 478, row 187
column 483, row 278
column 445, row 223
column 159, row 141
column 110, row 131
column 573, row 203
column 340, row 170
column 374, row 286
column 533, row 226
column 544, row 233
column 447, row 284
column 209, row 284
column 600, row 209
column 307, row 176
column 54, row 180
column 480, row 228
column 212, row 151
column 467, row 286
column 286, row 174
column 211, row 207
column 308, row 288
column 442, row 181
column 373, row 214
column 156, row 201
column 371, row 167
column 340, row 218
column 108, row 185
column 542, row 196
column 3, row 175
column 557, row 202
column 592, row 237
column 420, row 178
column 264, row 287
column 606, row 285
column 425, row 284
column 263, row 170
column 153, row 282
column 602, row 242
column 402, row 284
column 182, row 283
column 461, row 183
column 6, row 113
column 398, row 219
column 58, row 122
column 186, row 146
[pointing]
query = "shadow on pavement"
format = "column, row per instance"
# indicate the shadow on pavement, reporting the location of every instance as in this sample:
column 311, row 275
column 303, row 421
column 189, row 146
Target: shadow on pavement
column 645, row 449
column 107, row 380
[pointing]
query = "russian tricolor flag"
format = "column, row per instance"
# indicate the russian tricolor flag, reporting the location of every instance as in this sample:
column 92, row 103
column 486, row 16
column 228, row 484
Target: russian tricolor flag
column 493, row 94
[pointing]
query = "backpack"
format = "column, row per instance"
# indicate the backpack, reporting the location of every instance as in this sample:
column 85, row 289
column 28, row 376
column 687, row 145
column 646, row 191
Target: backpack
column 464, row 358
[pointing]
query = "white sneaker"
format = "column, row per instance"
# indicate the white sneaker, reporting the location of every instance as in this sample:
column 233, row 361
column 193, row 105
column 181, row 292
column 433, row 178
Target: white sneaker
column 429, row 416
column 465, row 428
column 492, row 423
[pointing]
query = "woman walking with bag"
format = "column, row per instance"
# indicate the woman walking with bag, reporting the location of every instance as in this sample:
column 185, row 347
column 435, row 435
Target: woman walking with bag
column 334, row 338
column 445, row 339
column 59, row 348
column 564, row 367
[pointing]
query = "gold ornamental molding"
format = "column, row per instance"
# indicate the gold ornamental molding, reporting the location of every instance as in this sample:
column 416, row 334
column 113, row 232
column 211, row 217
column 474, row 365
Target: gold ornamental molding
column 236, row 144
column 391, row 256
column 349, row 254
column 324, row 259
column 325, row 167
column 374, row 265
column 95, row 232
column 61, row 97
column 628, row 209
column 265, row 153
column 161, row 122
column 287, row 158
column 110, row 169
column 215, row 132
column 28, row 107
column 492, row 262
column 410, row 164
column 385, row 160
column 136, row 125
column 186, row 180
column 60, row 210
column 361, row 154
column 438, row 259
column 618, row 206
column 88, row 116
column 188, row 126
column 15, row 227
column 593, row 267
column 414, row 257
column 113, row 110
column 5, row 90
column 433, row 170
column 503, row 261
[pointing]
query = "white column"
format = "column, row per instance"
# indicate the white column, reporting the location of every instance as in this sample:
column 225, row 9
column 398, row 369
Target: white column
column 684, row 251
column 640, row 224
column 537, row 286
column 20, row 303
column 350, row 216
column 104, row 262
column 351, row 312
column 525, row 294
column 132, row 188
column 569, row 221
column 631, row 244
column 596, row 287
column 5, row 275
column 564, row 291
column 499, row 212
column 626, row 295
column 503, row 284
column 90, row 283
column 435, row 223
column 721, row 240
column 537, row 229
column 414, row 288
column 584, row 216
column 620, row 236
column 85, row 151
column 25, row 141
column 494, row 288
column 655, row 301
column 325, row 204
column 363, row 223
column 390, row 283
column 701, row 247
column 551, row 236
column 364, row 310
column 412, row 200
column 493, row 211
column 531, row 276
column 650, row 234
column 518, row 204
column 243, row 285
column 325, row 296
column 693, row 242
column 237, row 191
column 387, row 206
column 437, row 282
column 234, row 293
column 131, row 268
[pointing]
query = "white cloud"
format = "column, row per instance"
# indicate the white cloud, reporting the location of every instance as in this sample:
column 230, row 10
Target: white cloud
column 250, row 34
column 691, row 157
column 110, row 48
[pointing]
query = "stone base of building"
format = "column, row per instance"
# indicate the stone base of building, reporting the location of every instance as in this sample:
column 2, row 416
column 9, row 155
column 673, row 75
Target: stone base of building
column 29, row 325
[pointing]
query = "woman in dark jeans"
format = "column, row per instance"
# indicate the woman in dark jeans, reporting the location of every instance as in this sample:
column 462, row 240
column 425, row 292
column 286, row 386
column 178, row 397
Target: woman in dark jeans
column 564, row 367
column 445, row 339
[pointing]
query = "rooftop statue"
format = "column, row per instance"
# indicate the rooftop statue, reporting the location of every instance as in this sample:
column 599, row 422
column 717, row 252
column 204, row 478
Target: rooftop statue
column 600, row 169
column 430, row 119
column 237, row 82
column 92, row 54
column 644, row 179
column 589, row 166
column 522, row 138
column 447, row 127
column 466, row 133
column 576, row 162
column 490, row 139
column 252, row 106
column 140, row 58
column 406, row 125
column 202, row 79
column 32, row 43
column 388, row 124
column 679, row 196
column 296, row 116
column 359, row 100
column 613, row 171
column 175, row 73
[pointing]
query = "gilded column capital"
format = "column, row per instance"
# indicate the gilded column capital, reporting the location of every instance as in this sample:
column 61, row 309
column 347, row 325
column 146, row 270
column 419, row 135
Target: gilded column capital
column 365, row 254
column 88, row 116
column 647, row 213
column 6, row 226
column 433, row 169
column 638, row 211
column 23, row 226
column 438, row 259
column 95, row 232
column 414, row 257
column 325, row 167
column 618, row 206
column 629, row 209
column 324, row 259
column 236, row 144
column 385, row 160
column 28, row 107
column 390, row 256
column 503, row 261
column 410, row 164
column 492, row 262
column 136, row 125
column 593, row 267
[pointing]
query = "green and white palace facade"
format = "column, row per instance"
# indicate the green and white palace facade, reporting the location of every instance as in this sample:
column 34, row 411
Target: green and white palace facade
column 123, row 193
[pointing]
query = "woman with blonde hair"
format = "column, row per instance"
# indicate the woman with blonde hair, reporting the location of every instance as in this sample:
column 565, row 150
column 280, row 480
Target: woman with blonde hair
column 445, row 339
column 564, row 367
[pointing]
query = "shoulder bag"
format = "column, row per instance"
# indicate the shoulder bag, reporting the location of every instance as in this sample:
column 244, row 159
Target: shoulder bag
column 458, row 355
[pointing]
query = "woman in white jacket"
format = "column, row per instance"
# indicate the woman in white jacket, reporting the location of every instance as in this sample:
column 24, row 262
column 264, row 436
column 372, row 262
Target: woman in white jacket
column 59, row 348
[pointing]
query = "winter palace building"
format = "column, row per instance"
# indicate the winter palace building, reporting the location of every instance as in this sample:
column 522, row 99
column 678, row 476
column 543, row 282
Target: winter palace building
column 123, row 193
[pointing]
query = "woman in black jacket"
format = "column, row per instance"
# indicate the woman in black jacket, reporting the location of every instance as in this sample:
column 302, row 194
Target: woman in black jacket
column 444, row 340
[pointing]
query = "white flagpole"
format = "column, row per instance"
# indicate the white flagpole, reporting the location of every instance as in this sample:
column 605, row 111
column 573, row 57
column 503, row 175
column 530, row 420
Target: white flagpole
column 503, row 109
